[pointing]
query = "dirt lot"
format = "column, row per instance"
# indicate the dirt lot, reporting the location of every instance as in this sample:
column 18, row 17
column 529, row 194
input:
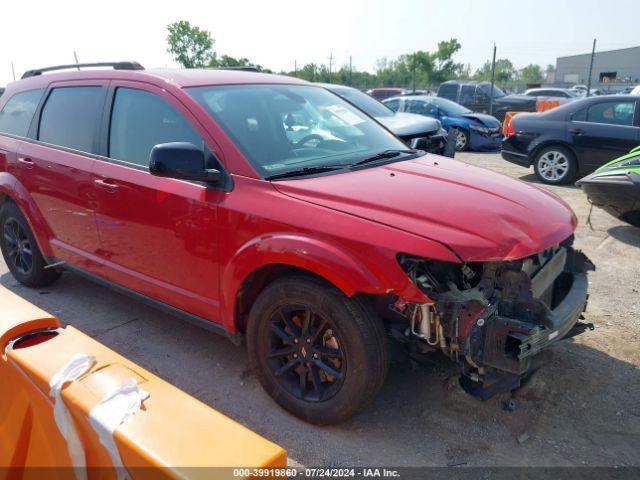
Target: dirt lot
column 582, row 408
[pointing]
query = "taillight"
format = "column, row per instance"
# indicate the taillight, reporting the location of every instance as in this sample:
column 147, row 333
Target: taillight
column 510, row 129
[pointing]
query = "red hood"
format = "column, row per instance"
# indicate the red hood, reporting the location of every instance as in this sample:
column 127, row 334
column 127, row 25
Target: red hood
column 481, row 215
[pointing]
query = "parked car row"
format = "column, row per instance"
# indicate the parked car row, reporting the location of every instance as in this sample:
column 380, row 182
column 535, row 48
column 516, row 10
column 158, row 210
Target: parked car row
column 417, row 131
column 475, row 131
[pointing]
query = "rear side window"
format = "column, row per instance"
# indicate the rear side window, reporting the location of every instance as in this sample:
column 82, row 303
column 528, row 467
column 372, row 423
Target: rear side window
column 70, row 117
column 614, row 113
column 17, row 113
column 580, row 115
column 141, row 120
column 449, row 92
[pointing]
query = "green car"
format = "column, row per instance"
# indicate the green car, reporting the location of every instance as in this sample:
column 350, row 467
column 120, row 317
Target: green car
column 615, row 187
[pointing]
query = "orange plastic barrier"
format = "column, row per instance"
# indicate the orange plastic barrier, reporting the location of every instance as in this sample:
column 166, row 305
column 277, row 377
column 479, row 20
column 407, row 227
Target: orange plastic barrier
column 171, row 435
column 507, row 121
column 547, row 103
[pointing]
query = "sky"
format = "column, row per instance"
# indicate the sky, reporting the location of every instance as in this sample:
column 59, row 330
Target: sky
column 277, row 33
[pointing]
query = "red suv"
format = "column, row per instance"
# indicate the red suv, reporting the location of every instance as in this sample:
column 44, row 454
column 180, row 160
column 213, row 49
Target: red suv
column 269, row 209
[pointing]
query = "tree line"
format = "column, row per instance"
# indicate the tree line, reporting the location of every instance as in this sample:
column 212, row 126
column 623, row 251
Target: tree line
column 193, row 47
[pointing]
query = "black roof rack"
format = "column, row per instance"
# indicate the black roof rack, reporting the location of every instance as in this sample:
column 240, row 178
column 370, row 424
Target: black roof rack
column 115, row 65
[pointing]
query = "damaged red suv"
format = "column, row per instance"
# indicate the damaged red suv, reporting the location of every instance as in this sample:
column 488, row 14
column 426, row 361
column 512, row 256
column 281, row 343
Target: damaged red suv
column 271, row 210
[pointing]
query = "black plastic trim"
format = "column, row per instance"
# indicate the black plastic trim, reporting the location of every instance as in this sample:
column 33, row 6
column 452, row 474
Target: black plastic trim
column 236, row 338
column 116, row 66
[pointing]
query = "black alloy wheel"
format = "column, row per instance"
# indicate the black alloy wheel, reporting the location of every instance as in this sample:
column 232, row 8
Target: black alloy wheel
column 18, row 245
column 20, row 249
column 305, row 353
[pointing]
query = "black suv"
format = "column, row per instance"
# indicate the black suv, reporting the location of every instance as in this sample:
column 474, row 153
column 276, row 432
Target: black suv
column 476, row 95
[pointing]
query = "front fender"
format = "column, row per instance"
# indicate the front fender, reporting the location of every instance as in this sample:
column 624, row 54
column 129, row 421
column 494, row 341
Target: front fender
column 320, row 257
column 13, row 189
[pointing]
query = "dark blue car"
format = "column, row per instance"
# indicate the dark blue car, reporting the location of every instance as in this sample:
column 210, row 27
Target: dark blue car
column 473, row 131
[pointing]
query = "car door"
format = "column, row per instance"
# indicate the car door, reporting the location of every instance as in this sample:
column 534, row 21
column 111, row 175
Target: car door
column 158, row 235
column 55, row 167
column 603, row 131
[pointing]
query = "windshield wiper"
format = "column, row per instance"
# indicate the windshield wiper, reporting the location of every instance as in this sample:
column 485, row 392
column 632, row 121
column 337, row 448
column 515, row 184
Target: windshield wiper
column 382, row 156
column 305, row 171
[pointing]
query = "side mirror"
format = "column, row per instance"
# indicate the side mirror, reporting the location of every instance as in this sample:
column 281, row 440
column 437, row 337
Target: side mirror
column 181, row 160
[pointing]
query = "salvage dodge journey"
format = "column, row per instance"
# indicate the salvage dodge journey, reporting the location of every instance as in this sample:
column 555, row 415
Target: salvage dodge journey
column 272, row 211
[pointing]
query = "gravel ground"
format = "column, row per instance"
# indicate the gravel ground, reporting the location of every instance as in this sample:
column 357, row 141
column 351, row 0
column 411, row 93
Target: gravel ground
column 581, row 408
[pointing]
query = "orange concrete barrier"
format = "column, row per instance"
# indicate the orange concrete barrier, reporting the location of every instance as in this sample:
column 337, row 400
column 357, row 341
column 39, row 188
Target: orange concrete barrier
column 507, row 121
column 69, row 401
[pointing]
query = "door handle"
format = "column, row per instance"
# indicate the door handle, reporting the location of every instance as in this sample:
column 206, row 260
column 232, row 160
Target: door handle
column 26, row 162
column 576, row 131
column 106, row 184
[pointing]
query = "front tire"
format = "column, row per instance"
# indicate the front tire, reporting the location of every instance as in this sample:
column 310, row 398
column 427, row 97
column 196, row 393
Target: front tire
column 20, row 249
column 462, row 139
column 320, row 355
column 555, row 165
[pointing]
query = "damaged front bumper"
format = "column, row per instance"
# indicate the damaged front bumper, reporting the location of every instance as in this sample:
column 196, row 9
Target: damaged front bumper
column 510, row 340
column 496, row 321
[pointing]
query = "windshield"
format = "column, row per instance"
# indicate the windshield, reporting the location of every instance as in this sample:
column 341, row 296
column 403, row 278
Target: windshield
column 450, row 109
column 283, row 128
column 497, row 93
column 363, row 101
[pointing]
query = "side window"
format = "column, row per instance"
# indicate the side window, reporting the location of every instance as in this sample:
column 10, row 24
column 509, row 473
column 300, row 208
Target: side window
column 580, row 116
column 141, row 120
column 467, row 94
column 422, row 108
column 393, row 104
column 413, row 106
column 70, row 117
column 17, row 113
column 449, row 91
column 614, row 113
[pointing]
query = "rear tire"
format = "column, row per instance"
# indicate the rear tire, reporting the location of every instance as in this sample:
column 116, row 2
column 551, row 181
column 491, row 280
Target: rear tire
column 320, row 355
column 555, row 165
column 20, row 249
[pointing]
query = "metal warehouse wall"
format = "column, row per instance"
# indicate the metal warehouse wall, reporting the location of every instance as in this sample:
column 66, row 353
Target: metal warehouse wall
column 575, row 69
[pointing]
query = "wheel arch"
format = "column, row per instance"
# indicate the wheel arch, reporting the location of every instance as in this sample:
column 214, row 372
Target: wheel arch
column 537, row 148
column 269, row 257
column 12, row 190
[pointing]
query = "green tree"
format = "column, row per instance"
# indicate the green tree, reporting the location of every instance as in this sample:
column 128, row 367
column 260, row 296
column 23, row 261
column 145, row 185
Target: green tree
column 532, row 74
column 444, row 67
column 190, row 46
column 504, row 71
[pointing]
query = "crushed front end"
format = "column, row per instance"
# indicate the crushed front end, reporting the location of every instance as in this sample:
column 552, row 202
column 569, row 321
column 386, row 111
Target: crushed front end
column 493, row 318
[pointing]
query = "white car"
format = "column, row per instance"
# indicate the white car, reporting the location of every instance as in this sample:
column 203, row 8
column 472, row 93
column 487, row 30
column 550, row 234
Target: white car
column 636, row 91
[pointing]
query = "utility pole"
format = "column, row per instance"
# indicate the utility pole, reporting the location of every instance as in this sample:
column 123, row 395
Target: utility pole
column 13, row 70
column 75, row 55
column 493, row 78
column 295, row 68
column 330, row 64
column 593, row 53
column 350, row 65
column 413, row 68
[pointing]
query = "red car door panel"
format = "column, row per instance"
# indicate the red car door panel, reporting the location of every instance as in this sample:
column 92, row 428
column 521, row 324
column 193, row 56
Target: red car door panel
column 158, row 235
column 58, row 178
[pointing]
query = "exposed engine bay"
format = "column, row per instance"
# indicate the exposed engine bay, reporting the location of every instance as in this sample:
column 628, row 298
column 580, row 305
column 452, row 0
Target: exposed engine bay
column 493, row 318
